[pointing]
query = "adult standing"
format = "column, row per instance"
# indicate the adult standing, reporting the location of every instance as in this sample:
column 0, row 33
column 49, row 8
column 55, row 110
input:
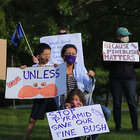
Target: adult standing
column 122, row 78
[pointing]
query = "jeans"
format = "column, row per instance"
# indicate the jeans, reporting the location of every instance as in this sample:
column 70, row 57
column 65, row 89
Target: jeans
column 107, row 112
column 117, row 89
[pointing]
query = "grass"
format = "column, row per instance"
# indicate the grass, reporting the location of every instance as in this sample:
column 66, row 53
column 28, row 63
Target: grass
column 126, row 132
column 13, row 123
column 124, row 106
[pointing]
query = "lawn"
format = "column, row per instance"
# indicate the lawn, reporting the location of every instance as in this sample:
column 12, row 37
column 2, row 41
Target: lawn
column 14, row 122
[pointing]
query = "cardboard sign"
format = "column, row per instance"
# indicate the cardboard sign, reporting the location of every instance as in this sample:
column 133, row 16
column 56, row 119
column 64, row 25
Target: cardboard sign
column 58, row 41
column 36, row 82
column 76, row 122
column 120, row 51
column 3, row 51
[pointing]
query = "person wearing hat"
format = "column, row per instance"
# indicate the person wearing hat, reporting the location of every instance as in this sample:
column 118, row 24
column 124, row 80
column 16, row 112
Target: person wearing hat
column 123, row 35
column 122, row 78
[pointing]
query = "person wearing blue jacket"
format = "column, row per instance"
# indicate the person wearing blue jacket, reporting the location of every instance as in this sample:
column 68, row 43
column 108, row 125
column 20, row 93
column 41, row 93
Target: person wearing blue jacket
column 78, row 77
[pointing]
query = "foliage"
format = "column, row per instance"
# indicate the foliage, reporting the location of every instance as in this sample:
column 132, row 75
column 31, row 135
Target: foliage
column 101, row 81
column 97, row 20
column 2, row 23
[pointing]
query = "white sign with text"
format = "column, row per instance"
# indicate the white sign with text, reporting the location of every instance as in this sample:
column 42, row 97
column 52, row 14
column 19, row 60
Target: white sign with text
column 36, row 82
column 120, row 51
column 76, row 122
column 58, row 41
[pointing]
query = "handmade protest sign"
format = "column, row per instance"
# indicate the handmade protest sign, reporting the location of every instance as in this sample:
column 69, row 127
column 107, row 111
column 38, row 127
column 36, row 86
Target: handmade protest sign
column 36, row 82
column 76, row 122
column 3, row 52
column 120, row 51
column 58, row 41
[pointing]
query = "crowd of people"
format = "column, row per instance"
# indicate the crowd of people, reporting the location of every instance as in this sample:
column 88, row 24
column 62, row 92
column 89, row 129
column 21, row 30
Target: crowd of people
column 80, row 82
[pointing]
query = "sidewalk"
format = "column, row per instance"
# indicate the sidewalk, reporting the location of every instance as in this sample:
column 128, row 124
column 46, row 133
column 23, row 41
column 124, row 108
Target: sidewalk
column 30, row 106
column 20, row 106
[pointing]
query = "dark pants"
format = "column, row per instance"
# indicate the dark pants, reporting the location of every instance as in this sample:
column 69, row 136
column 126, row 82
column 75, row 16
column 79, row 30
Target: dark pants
column 41, row 106
column 117, row 89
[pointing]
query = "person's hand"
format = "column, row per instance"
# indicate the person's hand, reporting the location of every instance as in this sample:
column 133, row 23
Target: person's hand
column 55, row 65
column 103, row 53
column 138, row 53
column 35, row 60
column 75, row 104
column 67, row 105
column 23, row 67
column 79, row 104
column 91, row 74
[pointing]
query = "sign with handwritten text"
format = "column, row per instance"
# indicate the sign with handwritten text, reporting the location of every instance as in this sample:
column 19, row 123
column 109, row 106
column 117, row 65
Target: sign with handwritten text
column 36, row 82
column 120, row 51
column 58, row 41
column 76, row 122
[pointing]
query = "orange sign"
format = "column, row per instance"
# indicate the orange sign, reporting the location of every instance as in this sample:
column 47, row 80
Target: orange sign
column 3, row 52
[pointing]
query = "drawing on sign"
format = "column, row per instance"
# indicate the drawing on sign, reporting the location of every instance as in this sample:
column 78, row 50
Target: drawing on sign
column 45, row 91
column 13, row 82
column 96, row 112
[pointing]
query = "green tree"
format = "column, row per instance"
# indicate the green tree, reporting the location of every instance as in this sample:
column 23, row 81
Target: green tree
column 97, row 20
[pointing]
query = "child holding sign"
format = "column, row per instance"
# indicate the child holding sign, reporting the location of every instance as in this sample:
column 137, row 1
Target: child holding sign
column 40, row 106
column 75, row 98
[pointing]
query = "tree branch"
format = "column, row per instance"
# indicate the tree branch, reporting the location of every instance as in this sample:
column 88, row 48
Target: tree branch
column 77, row 8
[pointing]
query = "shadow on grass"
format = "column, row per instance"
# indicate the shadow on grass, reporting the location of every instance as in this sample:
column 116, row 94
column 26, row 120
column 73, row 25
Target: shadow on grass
column 16, row 132
column 125, row 131
column 123, row 134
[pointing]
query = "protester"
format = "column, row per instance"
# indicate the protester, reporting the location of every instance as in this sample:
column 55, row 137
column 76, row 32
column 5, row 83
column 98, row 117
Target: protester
column 40, row 106
column 122, row 78
column 75, row 98
column 61, row 31
column 78, row 77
